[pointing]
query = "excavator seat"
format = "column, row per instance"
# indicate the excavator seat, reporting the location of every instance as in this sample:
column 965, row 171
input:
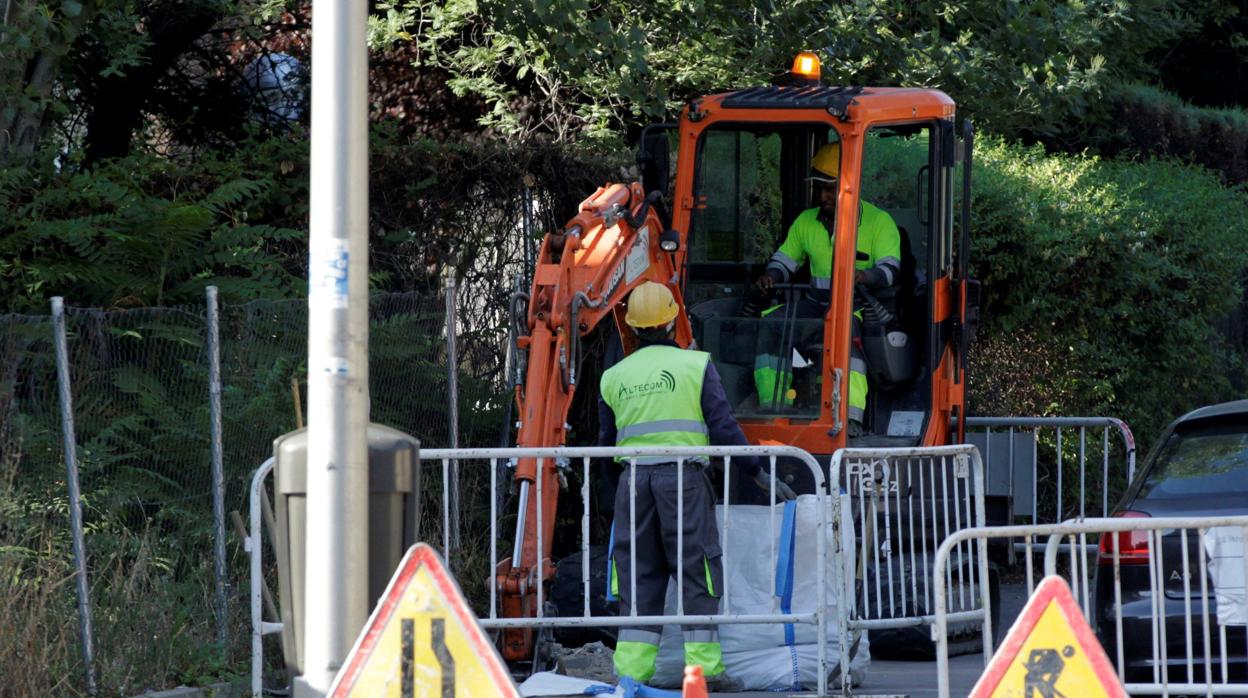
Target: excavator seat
column 891, row 367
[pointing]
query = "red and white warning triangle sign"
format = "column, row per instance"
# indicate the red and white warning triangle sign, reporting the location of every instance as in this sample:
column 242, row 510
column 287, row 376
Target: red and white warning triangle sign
column 423, row 641
column 1050, row 651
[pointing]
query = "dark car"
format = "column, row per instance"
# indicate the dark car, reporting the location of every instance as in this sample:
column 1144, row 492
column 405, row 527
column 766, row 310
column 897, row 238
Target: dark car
column 1199, row 467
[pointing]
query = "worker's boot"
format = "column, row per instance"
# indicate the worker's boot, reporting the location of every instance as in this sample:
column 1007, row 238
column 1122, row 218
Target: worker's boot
column 723, row 682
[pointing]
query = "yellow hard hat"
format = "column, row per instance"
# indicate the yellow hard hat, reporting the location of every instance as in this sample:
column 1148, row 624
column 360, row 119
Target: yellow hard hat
column 826, row 165
column 650, row 305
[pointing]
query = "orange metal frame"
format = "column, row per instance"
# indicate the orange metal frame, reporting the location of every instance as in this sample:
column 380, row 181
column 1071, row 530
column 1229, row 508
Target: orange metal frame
column 598, row 254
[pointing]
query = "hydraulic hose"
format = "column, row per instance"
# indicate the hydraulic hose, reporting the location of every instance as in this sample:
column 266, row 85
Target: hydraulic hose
column 574, row 337
column 636, row 221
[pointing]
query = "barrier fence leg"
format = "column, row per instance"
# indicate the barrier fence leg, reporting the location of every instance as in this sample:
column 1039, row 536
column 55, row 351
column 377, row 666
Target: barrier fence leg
column 218, row 478
column 71, row 478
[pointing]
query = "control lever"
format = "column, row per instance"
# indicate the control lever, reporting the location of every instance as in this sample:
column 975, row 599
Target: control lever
column 873, row 311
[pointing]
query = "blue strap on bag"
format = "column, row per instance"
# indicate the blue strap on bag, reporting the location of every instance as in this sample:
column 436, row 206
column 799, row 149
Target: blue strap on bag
column 784, row 580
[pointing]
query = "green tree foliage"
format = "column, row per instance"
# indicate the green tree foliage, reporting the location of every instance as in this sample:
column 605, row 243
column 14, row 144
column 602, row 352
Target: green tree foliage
column 1021, row 69
column 571, row 68
column 1113, row 277
column 35, row 38
column 101, row 76
column 137, row 60
column 1208, row 66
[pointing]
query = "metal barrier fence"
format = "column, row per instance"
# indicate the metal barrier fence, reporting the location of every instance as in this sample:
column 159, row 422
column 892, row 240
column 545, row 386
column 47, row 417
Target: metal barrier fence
column 259, row 520
column 159, row 409
column 827, row 508
column 1044, row 469
column 1135, row 597
column 904, row 503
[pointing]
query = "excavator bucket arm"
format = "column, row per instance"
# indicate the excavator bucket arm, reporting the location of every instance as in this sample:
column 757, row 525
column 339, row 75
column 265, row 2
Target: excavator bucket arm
column 583, row 274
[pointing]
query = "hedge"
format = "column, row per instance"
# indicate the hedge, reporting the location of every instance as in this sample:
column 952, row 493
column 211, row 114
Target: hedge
column 1107, row 285
column 1145, row 121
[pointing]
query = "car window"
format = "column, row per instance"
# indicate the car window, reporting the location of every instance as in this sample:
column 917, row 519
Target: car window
column 1210, row 460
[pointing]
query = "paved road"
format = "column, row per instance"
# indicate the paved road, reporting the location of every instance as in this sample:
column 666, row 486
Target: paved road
column 918, row 679
column 909, row 679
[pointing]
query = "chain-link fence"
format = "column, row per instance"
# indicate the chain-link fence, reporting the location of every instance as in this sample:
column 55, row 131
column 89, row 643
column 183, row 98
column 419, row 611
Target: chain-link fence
column 139, row 381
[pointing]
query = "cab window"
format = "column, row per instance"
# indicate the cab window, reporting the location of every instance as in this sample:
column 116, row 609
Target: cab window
column 750, row 185
column 751, row 182
column 739, row 207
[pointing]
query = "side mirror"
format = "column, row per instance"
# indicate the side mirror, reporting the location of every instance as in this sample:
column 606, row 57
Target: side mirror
column 654, row 157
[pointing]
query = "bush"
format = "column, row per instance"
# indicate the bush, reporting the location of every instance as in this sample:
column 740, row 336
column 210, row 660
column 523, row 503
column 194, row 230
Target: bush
column 1119, row 271
column 148, row 230
column 1148, row 122
column 153, row 230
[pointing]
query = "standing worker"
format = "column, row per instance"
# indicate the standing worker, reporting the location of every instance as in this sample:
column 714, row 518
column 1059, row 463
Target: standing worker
column 811, row 238
column 662, row 395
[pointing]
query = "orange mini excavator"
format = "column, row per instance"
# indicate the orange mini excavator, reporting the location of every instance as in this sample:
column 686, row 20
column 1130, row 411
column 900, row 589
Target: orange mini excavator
column 741, row 178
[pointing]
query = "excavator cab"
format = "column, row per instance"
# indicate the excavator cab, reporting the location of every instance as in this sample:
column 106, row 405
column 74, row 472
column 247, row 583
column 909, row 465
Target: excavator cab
column 739, row 183
column 752, row 197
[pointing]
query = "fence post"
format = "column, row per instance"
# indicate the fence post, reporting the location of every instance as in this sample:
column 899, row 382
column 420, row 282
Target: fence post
column 452, row 409
column 71, row 477
column 218, row 478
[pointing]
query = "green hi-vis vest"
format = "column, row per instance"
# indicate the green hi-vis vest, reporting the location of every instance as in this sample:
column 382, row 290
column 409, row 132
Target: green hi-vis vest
column 878, row 239
column 656, row 395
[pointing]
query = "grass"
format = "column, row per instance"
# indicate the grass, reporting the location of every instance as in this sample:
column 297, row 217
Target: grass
column 37, row 653
column 151, row 598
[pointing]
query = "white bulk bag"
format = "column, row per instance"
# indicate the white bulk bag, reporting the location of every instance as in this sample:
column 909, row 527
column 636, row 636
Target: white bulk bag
column 766, row 657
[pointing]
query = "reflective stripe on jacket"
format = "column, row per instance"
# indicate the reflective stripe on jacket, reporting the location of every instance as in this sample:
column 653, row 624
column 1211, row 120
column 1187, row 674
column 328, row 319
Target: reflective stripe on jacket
column 656, row 396
column 808, row 239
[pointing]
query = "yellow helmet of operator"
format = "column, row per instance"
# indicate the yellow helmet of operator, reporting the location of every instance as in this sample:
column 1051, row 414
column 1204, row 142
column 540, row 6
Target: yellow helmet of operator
column 826, row 165
column 651, row 305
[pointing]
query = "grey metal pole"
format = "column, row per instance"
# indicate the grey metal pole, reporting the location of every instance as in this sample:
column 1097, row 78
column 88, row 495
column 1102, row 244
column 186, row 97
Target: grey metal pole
column 336, row 597
column 452, row 409
column 75, row 500
column 218, row 478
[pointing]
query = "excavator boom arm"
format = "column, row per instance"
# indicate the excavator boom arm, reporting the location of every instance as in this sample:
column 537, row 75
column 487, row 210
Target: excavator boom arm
column 583, row 274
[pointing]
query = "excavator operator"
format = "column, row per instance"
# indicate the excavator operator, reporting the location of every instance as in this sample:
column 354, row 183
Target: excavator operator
column 810, row 238
column 662, row 395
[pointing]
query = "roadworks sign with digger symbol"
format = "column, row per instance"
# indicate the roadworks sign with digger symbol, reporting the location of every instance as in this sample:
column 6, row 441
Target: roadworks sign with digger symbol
column 1050, row 652
column 423, row 641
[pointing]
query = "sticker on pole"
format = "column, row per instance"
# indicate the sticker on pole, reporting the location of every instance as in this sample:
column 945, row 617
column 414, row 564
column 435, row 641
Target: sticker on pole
column 328, row 269
column 423, row 640
column 1050, row 652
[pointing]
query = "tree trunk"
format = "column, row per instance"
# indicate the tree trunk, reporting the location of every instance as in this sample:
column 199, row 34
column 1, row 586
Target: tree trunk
column 29, row 74
column 118, row 102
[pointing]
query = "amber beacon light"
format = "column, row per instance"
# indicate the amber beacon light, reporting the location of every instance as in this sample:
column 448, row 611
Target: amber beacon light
column 806, row 65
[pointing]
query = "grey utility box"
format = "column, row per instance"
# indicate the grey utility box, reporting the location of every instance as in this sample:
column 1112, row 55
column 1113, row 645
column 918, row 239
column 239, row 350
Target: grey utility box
column 1009, row 467
column 393, row 515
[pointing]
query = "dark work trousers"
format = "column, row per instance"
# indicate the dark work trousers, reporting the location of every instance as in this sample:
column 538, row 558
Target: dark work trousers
column 651, row 549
